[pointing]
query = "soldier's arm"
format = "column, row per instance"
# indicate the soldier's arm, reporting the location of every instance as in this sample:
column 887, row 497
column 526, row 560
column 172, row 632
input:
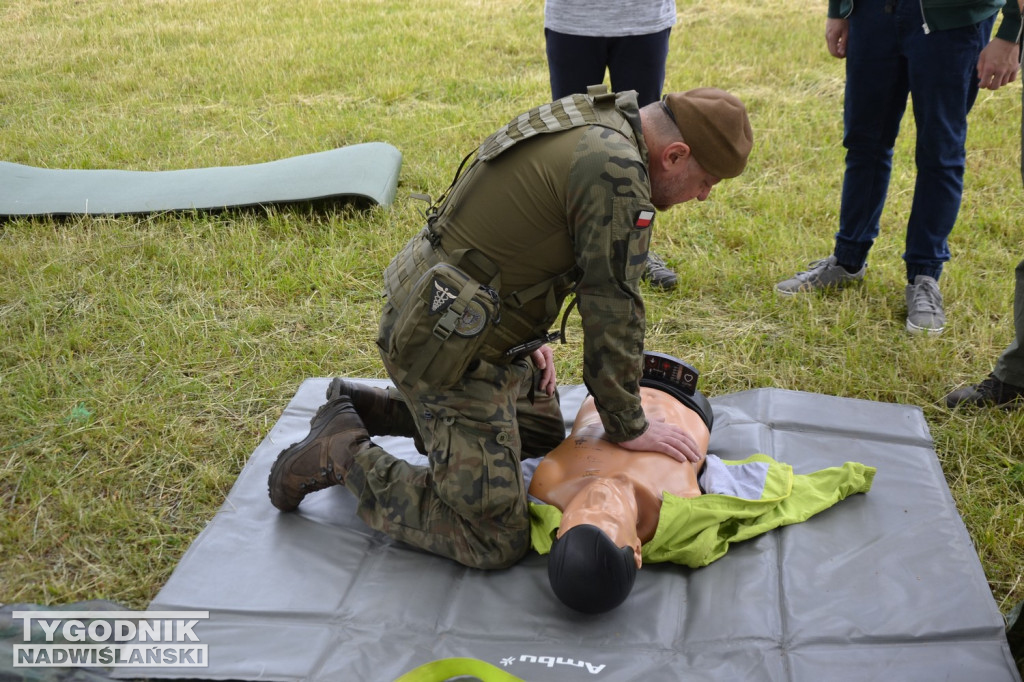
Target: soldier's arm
column 608, row 204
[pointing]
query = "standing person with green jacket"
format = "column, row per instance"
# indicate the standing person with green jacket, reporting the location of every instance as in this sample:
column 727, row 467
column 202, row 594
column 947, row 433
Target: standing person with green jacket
column 560, row 200
column 938, row 53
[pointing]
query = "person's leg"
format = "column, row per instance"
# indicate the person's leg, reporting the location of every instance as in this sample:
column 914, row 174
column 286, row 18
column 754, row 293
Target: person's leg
column 876, row 98
column 873, row 106
column 1004, row 386
column 1010, row 365
column 943, row 86
column 574, row 62
column 469, row 503
column 638, row 63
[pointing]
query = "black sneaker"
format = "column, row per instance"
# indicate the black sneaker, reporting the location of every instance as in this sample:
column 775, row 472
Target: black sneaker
column 990, row 392
column 658, row 274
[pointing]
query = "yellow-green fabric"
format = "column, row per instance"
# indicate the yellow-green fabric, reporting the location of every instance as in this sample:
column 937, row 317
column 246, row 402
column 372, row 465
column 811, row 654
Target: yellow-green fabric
column 457, row 668
column 696, row 531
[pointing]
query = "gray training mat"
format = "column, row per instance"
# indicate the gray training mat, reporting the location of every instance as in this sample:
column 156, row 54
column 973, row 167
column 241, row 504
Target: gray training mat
column 882, row 586
column 362, row 173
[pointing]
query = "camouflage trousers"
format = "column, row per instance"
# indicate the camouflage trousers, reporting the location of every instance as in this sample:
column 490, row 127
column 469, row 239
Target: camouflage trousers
column 469, row 502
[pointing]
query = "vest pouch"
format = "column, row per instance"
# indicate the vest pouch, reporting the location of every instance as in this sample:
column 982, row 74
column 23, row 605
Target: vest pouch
column 439, row 327
column 409, row 264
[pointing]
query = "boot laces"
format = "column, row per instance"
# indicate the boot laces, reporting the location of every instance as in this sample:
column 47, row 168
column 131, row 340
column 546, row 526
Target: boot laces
column 321, row 480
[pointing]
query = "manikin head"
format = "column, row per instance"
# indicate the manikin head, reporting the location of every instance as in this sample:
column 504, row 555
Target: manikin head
column 597, row 551
column 588, row 572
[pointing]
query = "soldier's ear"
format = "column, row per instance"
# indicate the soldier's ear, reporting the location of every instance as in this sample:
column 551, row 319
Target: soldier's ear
column 675, row 153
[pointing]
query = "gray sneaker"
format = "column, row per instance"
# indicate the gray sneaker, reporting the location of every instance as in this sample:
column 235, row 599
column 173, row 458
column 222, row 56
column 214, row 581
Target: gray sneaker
column 824, row 274
column 924, row 306
column 658, row 274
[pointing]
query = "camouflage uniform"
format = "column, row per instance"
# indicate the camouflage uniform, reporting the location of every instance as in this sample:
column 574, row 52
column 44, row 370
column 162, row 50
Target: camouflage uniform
column 571, row 207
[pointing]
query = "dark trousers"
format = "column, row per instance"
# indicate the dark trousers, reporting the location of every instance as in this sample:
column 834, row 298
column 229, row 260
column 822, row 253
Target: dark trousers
column 1010, row 365
column 633, row 62
column 890, row 57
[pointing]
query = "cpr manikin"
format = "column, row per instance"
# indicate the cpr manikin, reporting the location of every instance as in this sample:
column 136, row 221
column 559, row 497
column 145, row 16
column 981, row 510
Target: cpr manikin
column 610, row 497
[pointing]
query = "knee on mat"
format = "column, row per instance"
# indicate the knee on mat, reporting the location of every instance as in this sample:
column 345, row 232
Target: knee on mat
column 500, row 548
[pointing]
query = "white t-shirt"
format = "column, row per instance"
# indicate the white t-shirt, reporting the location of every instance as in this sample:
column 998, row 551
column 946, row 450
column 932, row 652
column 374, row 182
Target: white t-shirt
column 609, row 19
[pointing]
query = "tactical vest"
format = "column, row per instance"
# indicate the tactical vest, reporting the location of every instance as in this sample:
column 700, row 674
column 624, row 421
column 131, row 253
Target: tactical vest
column 507, row 333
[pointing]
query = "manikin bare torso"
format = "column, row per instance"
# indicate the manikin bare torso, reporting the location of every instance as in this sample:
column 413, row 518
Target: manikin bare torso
column 596, row 480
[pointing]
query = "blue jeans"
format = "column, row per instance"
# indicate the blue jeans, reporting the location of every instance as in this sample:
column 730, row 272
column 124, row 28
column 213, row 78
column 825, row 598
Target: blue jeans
column 633, row 62
column 889, row 57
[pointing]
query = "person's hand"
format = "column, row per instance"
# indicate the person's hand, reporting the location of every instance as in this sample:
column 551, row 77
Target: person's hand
column 667, row 439
column 543, row 359
column 997, row 64
column 837, row 32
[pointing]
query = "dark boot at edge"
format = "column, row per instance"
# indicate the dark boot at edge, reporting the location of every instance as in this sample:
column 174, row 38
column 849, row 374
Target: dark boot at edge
column 989, row 392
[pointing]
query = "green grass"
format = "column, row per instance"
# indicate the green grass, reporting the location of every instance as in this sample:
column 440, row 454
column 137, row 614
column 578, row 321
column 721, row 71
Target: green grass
column 143, row 359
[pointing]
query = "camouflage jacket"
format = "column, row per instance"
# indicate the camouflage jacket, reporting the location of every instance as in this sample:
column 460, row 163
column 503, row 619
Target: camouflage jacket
column 575, row 201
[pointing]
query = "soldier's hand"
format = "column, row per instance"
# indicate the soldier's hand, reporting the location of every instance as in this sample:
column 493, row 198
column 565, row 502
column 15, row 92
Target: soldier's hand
column 667, row 439
column 543, row 359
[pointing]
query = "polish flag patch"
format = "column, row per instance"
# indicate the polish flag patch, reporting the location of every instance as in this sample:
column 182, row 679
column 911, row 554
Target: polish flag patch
column 644, row 219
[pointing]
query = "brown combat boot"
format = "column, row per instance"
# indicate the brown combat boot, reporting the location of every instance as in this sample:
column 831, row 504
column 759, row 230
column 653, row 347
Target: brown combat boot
column 381, row 414
column 320, row 460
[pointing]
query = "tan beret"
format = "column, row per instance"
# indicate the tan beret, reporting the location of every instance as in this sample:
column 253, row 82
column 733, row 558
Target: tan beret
column 714, row 124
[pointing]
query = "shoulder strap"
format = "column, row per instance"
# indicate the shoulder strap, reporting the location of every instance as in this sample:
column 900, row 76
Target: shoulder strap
column 598, row 106
column 569, row 112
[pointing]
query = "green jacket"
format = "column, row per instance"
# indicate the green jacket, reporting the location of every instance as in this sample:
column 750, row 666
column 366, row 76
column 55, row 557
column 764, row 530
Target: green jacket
column 941, row 15
column 696, row 531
